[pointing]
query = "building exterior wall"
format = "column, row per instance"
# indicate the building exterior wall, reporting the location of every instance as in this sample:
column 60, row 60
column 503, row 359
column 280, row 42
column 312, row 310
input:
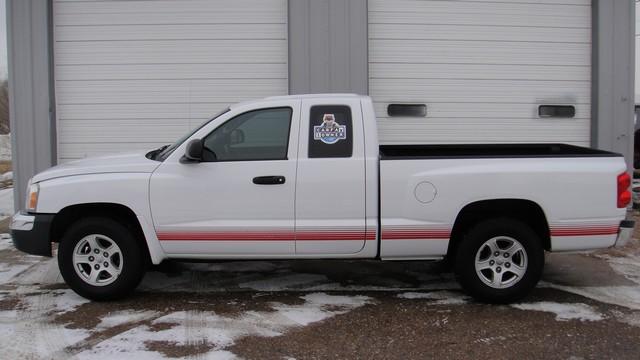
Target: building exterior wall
column 637, row 67
column 328, row 46
column 613, row 76
column 327, row 53
column 30, row 91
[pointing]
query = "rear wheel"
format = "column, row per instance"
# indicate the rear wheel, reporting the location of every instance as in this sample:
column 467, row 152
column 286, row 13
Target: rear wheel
column 499, row 260
column 100, row 259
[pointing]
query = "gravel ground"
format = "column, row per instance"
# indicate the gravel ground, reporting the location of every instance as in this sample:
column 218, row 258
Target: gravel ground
column 587, row 306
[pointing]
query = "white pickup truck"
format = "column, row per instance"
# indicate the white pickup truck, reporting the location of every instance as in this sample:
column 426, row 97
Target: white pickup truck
column 303, row 177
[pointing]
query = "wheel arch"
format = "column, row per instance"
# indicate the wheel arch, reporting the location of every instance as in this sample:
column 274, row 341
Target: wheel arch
column 524, row 210
column 118, row 212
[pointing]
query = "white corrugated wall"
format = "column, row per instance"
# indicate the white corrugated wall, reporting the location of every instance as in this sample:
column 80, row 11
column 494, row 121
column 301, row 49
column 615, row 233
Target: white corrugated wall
column 482, row 68
column 132, row 75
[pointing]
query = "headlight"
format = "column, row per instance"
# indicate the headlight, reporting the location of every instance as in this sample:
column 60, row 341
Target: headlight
column 32, row 197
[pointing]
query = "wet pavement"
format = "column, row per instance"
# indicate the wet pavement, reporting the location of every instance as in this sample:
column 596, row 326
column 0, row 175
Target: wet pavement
column 587, row 306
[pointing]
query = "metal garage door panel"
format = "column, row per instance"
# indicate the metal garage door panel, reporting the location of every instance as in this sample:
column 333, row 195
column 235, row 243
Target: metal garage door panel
column 482, row 68
column 160, row 12
column 132, row 75
column 169, row 51
column 164, row 91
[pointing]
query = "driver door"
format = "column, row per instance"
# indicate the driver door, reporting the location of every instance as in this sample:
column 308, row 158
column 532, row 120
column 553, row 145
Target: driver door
column 239, row 201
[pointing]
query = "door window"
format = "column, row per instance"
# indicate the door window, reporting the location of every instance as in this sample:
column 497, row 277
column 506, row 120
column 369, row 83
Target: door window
column 330, row 131
column 255, row 135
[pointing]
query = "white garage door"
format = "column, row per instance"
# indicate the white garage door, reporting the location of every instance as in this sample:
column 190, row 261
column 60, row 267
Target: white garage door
column 131, row 75
column 482, row 68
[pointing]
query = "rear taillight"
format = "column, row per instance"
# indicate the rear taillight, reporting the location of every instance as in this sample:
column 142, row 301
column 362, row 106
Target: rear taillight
column 624, row 195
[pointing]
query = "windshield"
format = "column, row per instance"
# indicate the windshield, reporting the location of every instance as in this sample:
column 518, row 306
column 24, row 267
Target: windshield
column 167, row 150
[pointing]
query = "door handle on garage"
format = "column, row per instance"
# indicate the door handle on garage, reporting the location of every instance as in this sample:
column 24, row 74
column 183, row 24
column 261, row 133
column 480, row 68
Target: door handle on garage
column 269, row 180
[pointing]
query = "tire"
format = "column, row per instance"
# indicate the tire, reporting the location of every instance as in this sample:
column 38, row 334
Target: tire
column 505, row 278
column 119, row 268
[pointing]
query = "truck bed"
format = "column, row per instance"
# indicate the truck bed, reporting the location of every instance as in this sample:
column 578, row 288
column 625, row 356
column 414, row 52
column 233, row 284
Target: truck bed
column 449, row 151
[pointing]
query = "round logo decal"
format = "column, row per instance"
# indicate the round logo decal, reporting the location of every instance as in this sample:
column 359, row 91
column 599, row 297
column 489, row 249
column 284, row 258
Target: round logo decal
column 330, row 132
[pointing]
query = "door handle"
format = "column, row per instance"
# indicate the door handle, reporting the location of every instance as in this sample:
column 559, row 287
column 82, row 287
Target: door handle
column 269, row 180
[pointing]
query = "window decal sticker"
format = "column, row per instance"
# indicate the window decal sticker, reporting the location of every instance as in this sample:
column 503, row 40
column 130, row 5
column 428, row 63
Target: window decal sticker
column 330, row 132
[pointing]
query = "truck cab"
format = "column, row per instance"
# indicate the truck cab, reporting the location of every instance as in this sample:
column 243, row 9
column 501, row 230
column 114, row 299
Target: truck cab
column 285, row 177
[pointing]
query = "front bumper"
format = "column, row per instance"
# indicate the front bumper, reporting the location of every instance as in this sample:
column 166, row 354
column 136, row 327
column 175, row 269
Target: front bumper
column 624, row 233
column 31, row 233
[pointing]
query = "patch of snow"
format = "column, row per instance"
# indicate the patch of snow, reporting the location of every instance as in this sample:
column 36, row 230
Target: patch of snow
column 628, row 266
column 563, row 311
column 18, row 331
column 43, row 271
column 6, row 176
column 5, row 242
column 9, row 271
column 219, row 332
column 490, row 340
column 315, row 307
column 6, row 202
column 56, row 301
column 396, row 286
column 123, row 317
column 31, row 320
column 129, row 344
column 626, row 296
column 632, row 319
column 441, row 297
column 5, row 147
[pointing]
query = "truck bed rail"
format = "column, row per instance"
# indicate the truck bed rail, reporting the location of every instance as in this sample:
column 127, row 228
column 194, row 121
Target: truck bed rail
column 448, row 151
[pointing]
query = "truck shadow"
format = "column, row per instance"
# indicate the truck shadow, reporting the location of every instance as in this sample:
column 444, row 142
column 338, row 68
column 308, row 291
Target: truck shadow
column 299, row 275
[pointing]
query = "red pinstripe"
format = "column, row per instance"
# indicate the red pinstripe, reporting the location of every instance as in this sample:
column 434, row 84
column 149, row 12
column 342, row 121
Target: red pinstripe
column 415, row 234
column 584, row 230
column 388, row 233
column 303, row 235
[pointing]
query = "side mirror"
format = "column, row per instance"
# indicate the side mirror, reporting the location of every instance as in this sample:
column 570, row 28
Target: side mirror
column 193, row 154
column 236, row 137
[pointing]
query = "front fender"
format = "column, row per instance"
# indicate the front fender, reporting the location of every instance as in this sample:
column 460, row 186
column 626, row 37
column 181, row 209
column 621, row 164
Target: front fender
column 127, row 189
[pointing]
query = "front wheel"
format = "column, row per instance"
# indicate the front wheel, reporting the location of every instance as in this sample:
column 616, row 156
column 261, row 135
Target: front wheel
column 499, row 260
column 100, row 259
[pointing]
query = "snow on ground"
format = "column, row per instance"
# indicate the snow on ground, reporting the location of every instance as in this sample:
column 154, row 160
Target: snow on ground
column 6, row 202
column 5, row 147
column 628, row 266
column 57, row 301
column 19, row 328
column 622, row 295
column 6, row 176
column 626, row 296
column 9, row 271
column 563, row 311
column 439, row 297
column 5, row 242
column 219, row 332
column 125, row 316
column 632, row 319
